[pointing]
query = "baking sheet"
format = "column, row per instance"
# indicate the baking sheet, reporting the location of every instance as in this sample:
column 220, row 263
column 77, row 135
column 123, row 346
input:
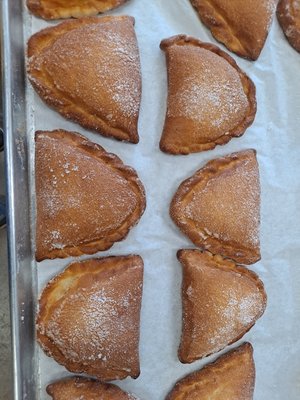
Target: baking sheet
column 275, row 135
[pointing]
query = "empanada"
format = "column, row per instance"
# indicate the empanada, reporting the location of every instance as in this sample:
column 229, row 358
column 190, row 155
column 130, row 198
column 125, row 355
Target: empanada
column 230, row 377
column 218, row 208
column 210, row 99
column 288, row 14
column 89, row 71
column 89, row 317
column 241, row 25
column 86, row 198
column 221, row 302
column 77, row 387
column 54, row 9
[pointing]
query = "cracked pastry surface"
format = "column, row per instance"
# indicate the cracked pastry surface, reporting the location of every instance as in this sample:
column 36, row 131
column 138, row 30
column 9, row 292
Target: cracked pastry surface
column 210, row 99
column 89, row 71
column 89, row 317
column 242, row 26
column 86, row 198
column 77, row 387
column 230, row 377
column 55, row 9
column 221, row 302
column 218, row 208
column 288, row 14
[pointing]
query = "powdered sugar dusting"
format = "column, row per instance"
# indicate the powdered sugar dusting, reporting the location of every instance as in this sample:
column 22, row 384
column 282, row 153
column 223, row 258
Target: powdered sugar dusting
column 243, row 309
column 227, row 206
column 237, row 314
column 73, row 213
column 97, row 67
column 271, row 8
column 96, row 316
column 222, row 304
column 242, row 26
column 289, row 19
column 91, row 323
column 206, row 89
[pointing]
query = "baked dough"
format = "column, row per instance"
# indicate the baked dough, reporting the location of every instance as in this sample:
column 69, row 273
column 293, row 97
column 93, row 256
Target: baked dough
column 75, row 388
column 89, row 71
column 221, row 302
column 241, row 25
column 89, row 317
column 218, row 208
column 230, row 377
column 86, row 198
column 54, row 9
column 288, row 14
column 210, row 99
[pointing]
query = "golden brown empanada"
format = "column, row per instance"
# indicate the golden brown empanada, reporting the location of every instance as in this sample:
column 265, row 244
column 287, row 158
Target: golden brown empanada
column 86, row 198
column 218, row 208
column 210, row 99
column 241, row 25
column 54, row 9
column 221, row 302
column 77, row 387
column 288, row 14
column 89, row 317
column 230, row 377
column 89, row 71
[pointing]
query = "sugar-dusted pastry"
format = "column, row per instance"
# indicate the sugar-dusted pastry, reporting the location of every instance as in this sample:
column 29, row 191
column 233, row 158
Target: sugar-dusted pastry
column 210, row 99
column 79, row 388
column 86, row 198
column 218, row 208
column 288, row 14
column 241, row 25
column 54, row 9
column 221, row 302
column 89, row 71
column 230, row 377
column 89, row 317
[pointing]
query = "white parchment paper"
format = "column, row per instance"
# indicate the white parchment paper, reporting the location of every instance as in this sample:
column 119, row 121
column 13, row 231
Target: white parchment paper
column 275, row 135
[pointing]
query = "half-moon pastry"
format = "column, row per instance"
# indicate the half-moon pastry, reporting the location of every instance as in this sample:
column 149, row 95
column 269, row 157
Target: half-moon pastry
column 288, row 14
column 210, row 99
column 221, row 302
column 218, row 208
column 89, row 71
column 89, row 317
column 77, row 387
column 230, row 377
column 55, row 9
column 86, row 198
column 242, row 26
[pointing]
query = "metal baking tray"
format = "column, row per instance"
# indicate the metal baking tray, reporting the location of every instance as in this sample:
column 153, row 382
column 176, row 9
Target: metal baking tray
column 275, row 136
column 22, row 285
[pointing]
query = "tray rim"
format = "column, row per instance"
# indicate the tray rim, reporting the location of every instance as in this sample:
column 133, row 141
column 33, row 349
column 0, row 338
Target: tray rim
column 18, row 201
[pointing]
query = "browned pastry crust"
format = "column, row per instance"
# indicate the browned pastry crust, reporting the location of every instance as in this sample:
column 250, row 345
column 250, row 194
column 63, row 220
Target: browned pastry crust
column 55, row 9
column 89, row 71
column 89, row 317
column 218, row 208
column 86, row 198
column 288, row 14
column 242, row 26
column 210, row 99
column 221, row 302
column 230, row 377
column 77, row 387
